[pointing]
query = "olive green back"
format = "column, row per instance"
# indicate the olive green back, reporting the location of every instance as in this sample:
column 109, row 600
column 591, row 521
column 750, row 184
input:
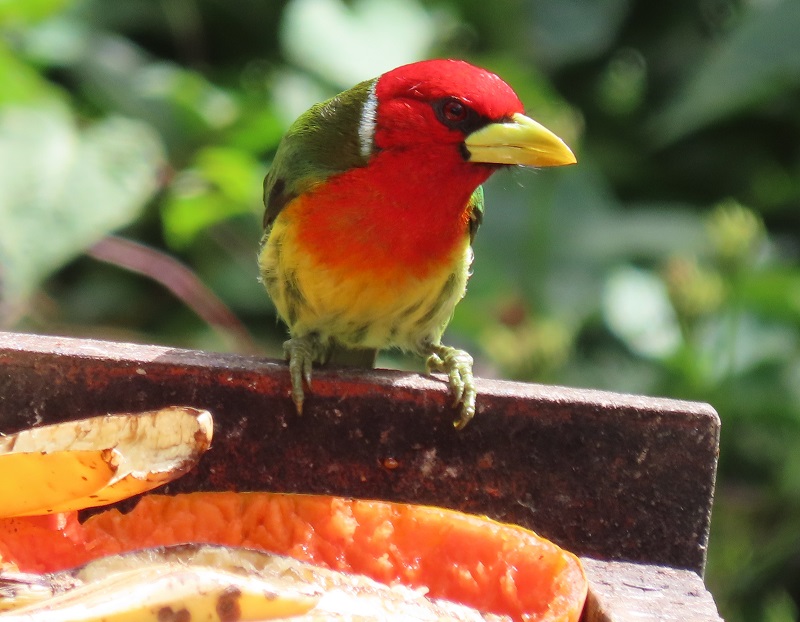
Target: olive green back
column 322, row 142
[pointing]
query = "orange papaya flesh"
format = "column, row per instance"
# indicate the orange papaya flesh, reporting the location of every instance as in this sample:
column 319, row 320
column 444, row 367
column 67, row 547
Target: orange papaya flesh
column 493, row 567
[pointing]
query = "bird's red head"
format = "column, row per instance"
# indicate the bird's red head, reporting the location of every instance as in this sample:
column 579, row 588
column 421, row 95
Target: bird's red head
column 439, row 102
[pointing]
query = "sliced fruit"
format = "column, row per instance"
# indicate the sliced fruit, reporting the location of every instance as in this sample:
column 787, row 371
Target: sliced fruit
column 158, row 592
column 41, row 543
column 59, row 468
column 34, row 482
column 156, row 447
column 492, row 567
column 213, row 582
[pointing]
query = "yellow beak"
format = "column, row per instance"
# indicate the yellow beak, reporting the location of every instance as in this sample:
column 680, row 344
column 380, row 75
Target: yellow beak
column 518, row 141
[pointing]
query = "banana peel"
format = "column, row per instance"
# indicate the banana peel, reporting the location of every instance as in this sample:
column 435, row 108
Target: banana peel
column 166, row 592
column 96, row 461
column 211, row 582
column 31, row 481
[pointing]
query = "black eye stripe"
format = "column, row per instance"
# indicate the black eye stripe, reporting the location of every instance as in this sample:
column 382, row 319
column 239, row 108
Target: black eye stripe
column 457, row 115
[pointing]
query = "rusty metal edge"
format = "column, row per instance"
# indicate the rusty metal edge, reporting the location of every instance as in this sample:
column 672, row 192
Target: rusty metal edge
column 383, row 378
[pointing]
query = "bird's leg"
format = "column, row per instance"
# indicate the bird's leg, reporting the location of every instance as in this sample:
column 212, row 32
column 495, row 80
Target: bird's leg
column 301, row 353
column 457, row 364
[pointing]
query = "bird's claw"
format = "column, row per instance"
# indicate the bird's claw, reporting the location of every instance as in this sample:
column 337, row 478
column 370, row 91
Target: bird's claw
column 301, row 352
column 457, row 364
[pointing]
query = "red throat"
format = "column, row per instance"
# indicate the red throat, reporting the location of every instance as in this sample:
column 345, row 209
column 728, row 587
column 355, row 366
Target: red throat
column 391, row 218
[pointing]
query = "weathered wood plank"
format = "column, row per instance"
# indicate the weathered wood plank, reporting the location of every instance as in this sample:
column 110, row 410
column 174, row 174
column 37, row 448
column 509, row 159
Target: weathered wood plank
column 627, row 592
column 606, row 475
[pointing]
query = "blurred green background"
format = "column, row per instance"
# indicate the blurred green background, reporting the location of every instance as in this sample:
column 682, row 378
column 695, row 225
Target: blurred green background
column 665, row 263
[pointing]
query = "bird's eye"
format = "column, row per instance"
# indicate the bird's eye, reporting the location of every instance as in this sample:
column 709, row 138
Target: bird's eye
column 454, row 111
column 455, row 114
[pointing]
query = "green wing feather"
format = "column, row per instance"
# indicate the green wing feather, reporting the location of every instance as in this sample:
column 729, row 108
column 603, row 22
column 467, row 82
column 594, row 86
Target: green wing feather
column 476, row 213
column 322, row 142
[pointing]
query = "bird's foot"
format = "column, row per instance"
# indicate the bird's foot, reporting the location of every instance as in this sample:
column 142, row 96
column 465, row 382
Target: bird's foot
column 301, row 352
column 457, row 364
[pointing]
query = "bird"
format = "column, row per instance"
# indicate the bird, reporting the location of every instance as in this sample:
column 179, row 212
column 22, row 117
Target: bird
column 372, row 202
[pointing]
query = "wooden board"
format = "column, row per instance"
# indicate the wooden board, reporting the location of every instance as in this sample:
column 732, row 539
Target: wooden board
column 627, row 592
column 609, row 476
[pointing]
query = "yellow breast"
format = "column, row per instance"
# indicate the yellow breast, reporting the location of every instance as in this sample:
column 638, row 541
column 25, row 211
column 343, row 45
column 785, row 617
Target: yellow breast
column 372, row 307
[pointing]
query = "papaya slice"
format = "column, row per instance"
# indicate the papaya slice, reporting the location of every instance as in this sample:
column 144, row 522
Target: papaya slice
column 41, row 543
column 492, row 567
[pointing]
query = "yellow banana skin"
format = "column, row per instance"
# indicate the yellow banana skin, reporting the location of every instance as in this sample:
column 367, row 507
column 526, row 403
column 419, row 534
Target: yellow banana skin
column 33, row 482
column 166, row 593
column 203, row 582
column 96, row 461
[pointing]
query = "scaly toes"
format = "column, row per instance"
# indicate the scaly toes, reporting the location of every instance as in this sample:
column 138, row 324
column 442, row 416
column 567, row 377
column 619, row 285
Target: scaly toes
column 467, row 403
column 457, row 364
column 434, row 363
column 295, row 353
column 301, row 352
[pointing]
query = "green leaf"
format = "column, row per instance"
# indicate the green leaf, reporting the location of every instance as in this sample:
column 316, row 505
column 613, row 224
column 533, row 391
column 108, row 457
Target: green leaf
column 224, row 182
column 637, row 310
column 63, row 188
column 116, row 74
column 235, row 173
column 259, row 129
column 26, row 11
column 759, row 60
column 772, row 292
column 21, row 83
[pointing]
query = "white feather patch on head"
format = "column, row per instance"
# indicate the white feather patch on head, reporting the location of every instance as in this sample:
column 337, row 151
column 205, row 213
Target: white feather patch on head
column 366, row 126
